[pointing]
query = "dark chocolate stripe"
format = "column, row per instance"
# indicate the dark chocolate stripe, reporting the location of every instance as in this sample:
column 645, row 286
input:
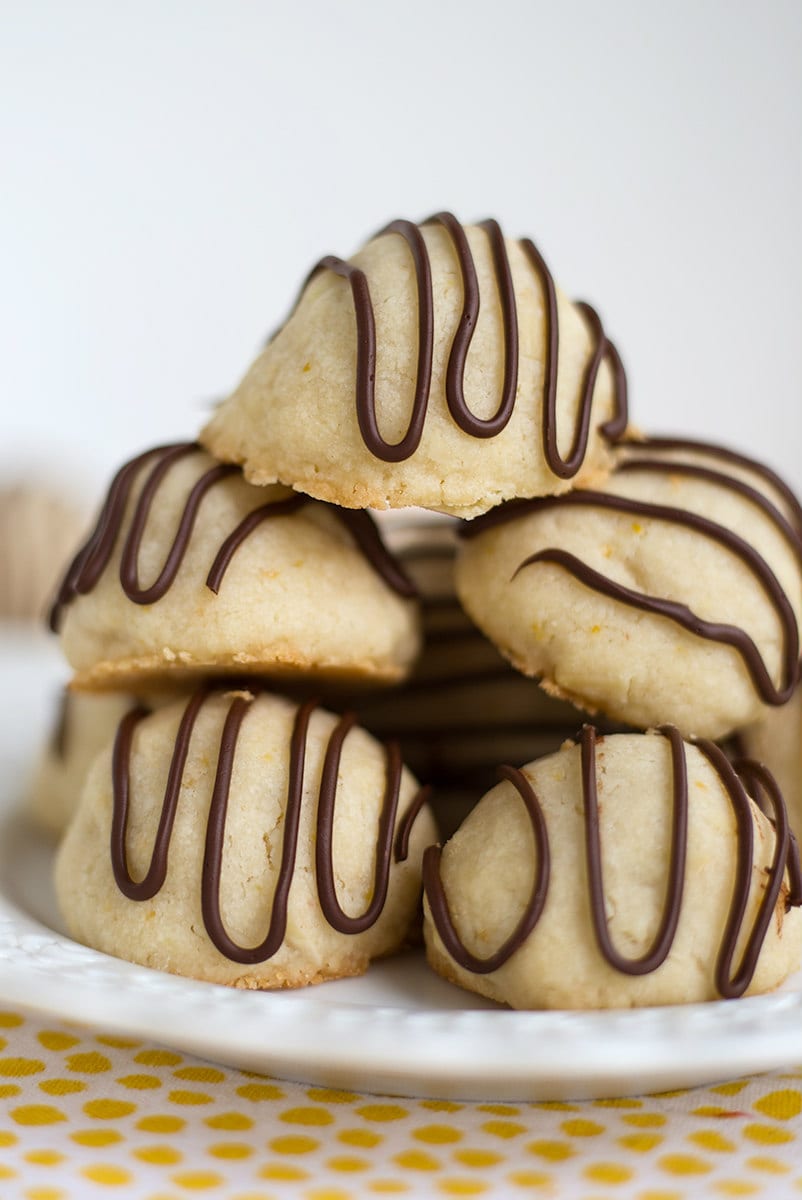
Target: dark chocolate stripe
column 404, row 831
column 129, row 560
column 726, row 456
column 363, row 530
column 457, row 359
column 732, row 984
column 680, row 614
column 695, row 471
column 92, row 559
column 358, row 522
column 215, row 839
column 764, row 791
column 150, row 884
column 729, row 635
column 367, row 418
column 324, row 848
column 438, row 904
column 468, row 422
column 146, row 888
column 658, row 952
column 279, row 508
column 661, row 606
column 728, row 984
column 455, row 375
column 366, row 369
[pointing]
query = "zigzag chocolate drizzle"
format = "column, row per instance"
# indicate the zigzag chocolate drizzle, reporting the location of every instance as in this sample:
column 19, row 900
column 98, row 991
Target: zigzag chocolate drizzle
column 679, row 613
column 786, row 854
column 435, row 894
column 156, row 873
column 468, row 422
column 728, row 983
column 92, row 559
column 658, row 445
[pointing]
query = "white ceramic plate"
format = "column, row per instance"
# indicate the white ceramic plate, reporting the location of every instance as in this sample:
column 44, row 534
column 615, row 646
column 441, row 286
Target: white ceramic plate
column 399, row 1029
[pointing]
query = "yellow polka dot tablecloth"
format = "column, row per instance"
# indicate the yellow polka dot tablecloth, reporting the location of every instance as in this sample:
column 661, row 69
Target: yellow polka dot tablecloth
column 85, row 1115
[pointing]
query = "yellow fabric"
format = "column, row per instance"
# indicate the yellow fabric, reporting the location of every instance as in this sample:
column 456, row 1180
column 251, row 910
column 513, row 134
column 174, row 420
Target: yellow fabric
column 85, row 1116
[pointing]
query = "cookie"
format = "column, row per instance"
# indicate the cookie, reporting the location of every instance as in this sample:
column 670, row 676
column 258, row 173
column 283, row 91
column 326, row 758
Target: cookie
column 672, row 592
column 85, row 724
column 776, row 741
column 191, row 570
column 624, row 871
column 254, row 843
column 439, row 367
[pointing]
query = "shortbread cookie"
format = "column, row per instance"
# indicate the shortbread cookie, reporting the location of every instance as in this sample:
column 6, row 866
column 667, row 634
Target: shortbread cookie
column 671, row 592
column 254, row 843
column 440, row 367
column 776, row 740
column 85, row 724
column 192, row 570
column 613, row 874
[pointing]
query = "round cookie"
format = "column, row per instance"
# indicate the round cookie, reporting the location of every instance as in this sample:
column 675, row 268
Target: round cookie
column 191, row 570
column 439, row 367
column 776, row 740
column 288, row 849
column 85, row 723
column 671, row 592
column 611, row 874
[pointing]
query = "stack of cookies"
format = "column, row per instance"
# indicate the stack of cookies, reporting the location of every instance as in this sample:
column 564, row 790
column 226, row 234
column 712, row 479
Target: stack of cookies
column 228, row 832
column 573, row 563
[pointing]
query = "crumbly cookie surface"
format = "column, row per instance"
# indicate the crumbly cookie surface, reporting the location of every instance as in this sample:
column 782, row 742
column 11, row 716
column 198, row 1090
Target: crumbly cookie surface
column 673, row 592
column 490, row 866
column 217, row 576
column 398, row 426
column 776, row 740
column 85, row 724
column 215, row 901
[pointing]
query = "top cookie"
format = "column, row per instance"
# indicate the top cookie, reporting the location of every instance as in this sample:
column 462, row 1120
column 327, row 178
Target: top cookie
column 440, row 367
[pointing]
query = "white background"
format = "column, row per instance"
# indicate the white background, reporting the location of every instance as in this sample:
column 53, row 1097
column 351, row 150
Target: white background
column 170, row 170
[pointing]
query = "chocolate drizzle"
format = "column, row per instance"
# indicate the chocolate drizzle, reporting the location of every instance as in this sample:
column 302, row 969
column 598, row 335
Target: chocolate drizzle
column 92, row 559
column 658, row 952
column 732, row 984
column 156, row 873
column 441, row 914
column 680, row 614
column 659, row 445
column 468, row 422
column 729, row 983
